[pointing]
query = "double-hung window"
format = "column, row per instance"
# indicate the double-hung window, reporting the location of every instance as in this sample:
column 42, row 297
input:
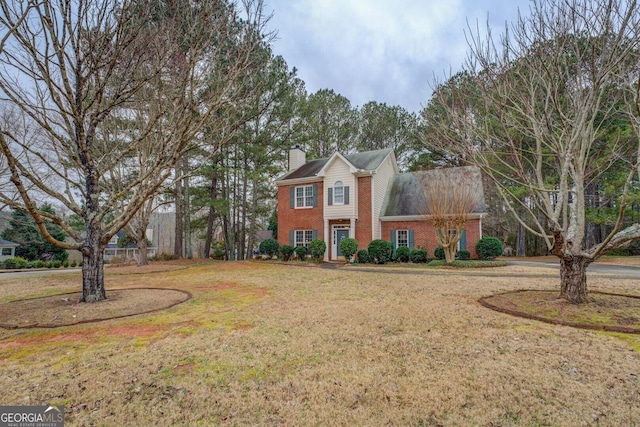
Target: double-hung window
column 303, row 237
column 338, row 193
column 402, row 238
column 304, row 196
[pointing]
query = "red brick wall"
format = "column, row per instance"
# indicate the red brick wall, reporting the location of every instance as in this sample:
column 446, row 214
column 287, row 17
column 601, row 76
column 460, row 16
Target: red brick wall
column 298, row 219
column 312, row 219
column 363, row 224
column 424, row 235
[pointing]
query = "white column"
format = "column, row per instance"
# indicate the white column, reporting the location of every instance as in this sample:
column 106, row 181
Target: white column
column 352, row 228
column 326, row 239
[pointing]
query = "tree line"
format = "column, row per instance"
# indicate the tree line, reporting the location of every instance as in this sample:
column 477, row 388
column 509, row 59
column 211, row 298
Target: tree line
column 113, row 109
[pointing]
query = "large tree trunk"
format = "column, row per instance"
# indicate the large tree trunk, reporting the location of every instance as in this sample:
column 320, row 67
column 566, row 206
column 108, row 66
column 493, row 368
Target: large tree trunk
column 92, row 267
column 573, row 279
column 450, row 253
column 141, row 243
column 213, row 194
column 521, row 241
column 186, row 207
column 177, row 244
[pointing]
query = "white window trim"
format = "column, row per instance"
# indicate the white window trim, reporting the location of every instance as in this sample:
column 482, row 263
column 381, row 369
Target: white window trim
column 335, row 193
column 307, row 237
column 304, row 197
column 398, row 237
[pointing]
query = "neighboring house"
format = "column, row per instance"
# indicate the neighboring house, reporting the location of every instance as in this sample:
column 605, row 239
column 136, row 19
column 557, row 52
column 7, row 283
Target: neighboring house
column 359, row 195
column 7, row 249
column 131, row 251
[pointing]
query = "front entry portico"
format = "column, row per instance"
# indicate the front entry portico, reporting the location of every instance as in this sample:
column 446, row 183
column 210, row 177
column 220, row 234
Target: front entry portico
column 336, row 230
column 340, row 232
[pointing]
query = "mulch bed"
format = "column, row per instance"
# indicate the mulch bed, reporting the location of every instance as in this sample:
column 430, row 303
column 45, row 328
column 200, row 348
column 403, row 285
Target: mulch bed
column 64, row 309
column 607, row 312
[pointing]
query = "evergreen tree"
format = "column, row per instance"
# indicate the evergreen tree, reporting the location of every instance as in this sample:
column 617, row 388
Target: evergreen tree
column 23, row 230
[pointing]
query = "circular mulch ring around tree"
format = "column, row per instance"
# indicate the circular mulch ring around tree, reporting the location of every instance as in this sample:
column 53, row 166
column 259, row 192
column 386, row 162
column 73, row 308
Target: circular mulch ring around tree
column 607, row 312
column 64, row 309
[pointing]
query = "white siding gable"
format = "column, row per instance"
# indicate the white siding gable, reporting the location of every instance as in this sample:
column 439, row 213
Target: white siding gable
column 339, row 170
column 379, row 184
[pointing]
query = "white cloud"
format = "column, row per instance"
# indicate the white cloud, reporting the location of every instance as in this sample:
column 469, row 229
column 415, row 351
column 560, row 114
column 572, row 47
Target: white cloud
column 378, row 50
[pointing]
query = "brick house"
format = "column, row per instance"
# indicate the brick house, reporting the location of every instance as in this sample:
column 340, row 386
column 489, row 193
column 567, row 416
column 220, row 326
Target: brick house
column 360, row 195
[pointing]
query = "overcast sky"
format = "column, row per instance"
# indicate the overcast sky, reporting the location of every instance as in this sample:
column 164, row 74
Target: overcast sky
column 380, row 50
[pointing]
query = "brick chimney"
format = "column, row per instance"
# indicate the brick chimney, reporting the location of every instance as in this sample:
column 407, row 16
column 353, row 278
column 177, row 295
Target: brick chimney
column 297, row 158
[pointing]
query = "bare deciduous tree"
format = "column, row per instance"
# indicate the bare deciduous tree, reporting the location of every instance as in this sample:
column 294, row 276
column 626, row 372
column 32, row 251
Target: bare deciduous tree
column 76, row 68
column 451, row 196
column 530, row 110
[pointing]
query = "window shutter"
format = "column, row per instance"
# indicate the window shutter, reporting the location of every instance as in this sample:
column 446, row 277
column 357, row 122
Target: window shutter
column 292, row 237
column 463, row 240
column 393, row 239
column 346, row 195
column 410, row 239
column 330, row 201
column 315, row 195
column 292, row 197
column 314, row 234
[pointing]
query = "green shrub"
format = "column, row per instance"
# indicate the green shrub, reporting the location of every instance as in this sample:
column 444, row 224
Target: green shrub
column 439, row 253
column 301, row 252
column 489, row 248
column 161, row 257
column 73, row 264
column 56, row 264
column 348, row 247
column 380, row 251
column 37, row 264
column 286, row 251
column 463, row 254
column 65, row 263
column 269, row 247
column 49, row 264
column 317, row 248
column 363, row 256
column 622, row 251
column 402, row 254
column 16, row 262
column 418, row 255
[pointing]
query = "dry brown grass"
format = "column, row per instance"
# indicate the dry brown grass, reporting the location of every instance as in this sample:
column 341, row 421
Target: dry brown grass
column 263, row 344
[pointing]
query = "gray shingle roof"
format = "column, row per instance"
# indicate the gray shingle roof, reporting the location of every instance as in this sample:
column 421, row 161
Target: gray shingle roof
column 311, row 168
column 7, row 243
column 367, row 161
column 404, row 193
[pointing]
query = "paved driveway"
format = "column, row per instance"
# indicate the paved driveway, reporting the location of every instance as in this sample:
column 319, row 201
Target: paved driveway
column 596, row 267
column 9, row 273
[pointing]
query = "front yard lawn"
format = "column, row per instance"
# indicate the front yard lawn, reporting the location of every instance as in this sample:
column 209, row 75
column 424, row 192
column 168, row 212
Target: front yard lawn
column 275, row 344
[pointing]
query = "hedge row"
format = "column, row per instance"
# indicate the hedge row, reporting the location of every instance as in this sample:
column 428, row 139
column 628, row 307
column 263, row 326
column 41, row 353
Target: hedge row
column 378, row 252
column 21, row 263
